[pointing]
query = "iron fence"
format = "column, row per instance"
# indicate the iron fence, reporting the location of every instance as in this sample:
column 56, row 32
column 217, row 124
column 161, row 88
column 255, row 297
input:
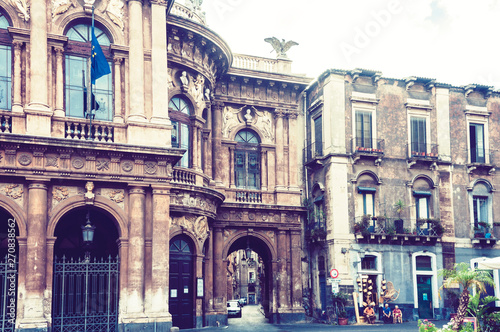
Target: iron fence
column 85, row 295
column 8, row 292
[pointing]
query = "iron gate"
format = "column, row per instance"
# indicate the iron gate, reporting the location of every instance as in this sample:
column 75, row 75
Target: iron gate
column 85, row 295
column 8, row 293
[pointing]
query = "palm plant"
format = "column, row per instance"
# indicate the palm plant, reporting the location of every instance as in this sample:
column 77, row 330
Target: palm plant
column 466, row 278
column 399, row 206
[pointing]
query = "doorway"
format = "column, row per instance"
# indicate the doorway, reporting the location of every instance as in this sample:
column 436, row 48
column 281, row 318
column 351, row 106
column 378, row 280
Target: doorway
column 424, row 290
column 181, row 299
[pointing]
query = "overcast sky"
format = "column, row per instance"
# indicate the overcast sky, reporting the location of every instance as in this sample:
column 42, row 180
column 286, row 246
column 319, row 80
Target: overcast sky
column 453, row 41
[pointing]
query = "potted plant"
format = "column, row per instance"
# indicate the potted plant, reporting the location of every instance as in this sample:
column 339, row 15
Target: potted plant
column 399, row 206
column 343, row 317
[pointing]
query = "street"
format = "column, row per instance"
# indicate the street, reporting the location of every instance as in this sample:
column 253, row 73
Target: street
column 253, row 320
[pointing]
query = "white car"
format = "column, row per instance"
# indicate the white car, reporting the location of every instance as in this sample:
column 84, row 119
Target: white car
column 233, row 308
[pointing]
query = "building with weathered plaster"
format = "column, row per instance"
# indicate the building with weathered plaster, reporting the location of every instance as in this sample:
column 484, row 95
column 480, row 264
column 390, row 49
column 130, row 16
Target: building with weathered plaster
column 189, row 157
column 373, row 142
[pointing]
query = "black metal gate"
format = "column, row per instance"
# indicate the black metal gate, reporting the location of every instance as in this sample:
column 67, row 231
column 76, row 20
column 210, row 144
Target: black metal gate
column 85, row 295
column 8, row 293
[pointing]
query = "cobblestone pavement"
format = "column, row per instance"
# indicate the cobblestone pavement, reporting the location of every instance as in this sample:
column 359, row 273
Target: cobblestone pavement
column 253, row 320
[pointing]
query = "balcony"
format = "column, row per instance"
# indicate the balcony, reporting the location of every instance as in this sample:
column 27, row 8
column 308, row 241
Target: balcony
column 421, row 153
column 362, row 149
column 380, row 229
column 480, row 159
column 313, row 154
column 483, row 234
column 316, row 232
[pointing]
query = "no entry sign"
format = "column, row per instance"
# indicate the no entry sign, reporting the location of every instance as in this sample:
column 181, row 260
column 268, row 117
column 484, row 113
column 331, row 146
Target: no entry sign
column 334, row 273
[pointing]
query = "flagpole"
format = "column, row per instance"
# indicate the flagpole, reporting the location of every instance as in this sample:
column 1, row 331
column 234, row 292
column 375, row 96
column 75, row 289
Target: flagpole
column 89, row 96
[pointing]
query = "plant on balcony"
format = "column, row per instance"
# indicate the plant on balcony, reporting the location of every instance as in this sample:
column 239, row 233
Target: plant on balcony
column 399, row 206
column 362, row 226
column 434, row 224
column 381, row 221
column 390, row 230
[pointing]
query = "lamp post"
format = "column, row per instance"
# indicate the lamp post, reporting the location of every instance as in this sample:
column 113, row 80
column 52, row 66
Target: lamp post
column 88, row 236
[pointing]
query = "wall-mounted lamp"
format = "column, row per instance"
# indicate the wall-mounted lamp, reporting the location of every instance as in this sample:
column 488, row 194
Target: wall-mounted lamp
column 343, row 251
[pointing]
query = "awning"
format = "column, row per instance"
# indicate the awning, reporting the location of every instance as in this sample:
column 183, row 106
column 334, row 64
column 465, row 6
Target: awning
column 489, row 264
column 366, row 189
column 421, row 193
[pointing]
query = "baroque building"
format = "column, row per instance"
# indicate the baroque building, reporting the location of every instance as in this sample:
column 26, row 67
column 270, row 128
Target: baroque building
column 188, row 157
column 401, row 181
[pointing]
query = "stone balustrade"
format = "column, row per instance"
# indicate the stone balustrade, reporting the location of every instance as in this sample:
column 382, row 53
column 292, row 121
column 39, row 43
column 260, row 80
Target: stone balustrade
column 255, row 63
column 101, row 132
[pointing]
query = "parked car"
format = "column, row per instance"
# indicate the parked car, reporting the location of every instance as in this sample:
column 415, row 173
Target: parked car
column 233, row 308
column 243, row 300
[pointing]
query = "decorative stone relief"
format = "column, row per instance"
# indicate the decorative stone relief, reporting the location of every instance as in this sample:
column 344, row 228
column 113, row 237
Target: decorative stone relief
column 102, row 164
column 265, row 124
column 196, row 89
column 150, row 167
column 22, row 8
column 51, row 160
column 201, row 228
column 192, row 201
column 228, row 233
column 185, row 222
column 60, row 193
column 115, row 12
column 116, row 195
column 229, row 120
column 24, row 159
column 13, row 190
column 127, row 165
column 270, row 234
column 78, row 162
column 60, row 7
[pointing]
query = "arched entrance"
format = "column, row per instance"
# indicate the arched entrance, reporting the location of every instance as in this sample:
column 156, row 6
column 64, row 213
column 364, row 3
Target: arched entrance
column 8, row 270
column 86, row 273
column 181, row 283
column 253, row 268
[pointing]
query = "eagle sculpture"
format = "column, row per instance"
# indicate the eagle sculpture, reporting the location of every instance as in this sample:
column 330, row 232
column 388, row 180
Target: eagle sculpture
column 281, row 47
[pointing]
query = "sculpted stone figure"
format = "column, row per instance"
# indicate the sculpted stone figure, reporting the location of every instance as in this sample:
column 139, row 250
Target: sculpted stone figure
column 280, row 47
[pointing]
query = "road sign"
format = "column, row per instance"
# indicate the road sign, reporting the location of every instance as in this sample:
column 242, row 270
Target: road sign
column 335, row 288
column 334, row 273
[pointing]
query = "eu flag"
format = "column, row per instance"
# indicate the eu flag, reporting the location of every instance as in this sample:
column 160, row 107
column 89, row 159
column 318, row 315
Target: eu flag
column 99, row 65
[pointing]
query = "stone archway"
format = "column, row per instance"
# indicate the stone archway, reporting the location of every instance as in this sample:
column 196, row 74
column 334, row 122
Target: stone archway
column 85, row 288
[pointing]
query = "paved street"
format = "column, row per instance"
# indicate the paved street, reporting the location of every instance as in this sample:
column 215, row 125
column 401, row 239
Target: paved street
column 254, row 320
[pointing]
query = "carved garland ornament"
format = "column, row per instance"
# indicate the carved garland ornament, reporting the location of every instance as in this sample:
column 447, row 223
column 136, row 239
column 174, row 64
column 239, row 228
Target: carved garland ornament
column 117, row 196
column 60, row 193
column 14, row 191
column 23, row 9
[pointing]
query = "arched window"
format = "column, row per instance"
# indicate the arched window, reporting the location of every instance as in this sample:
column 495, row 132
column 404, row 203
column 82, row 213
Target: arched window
column 76, row 75
column 180, row 110
column 481, row 210
column 246, row 160
column 5, row 65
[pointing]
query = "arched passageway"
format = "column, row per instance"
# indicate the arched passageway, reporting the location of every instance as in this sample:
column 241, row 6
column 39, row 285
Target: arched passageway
column 86, row 273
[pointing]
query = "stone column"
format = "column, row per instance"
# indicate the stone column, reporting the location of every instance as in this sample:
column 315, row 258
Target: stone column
column 159, row 62
column 123, row 250
column 209, row 278
column 160, row 253
column 296, row 278
column 294, row 163
column 59, row 109
column 200, row 140
column 136, row 61
column 283, row 284
column 118, row 116
column 137, row 200
column 263, row 172
column 279, row 149
column 194, row 144
column 217, row 145
column 17, row 106
column 38, row 111
column 207, row 165
column 219, row 270
column 36, row 257
column 232, row 182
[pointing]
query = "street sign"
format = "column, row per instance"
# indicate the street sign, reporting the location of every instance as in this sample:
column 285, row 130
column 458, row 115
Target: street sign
column 334, row 273
column 335, row 288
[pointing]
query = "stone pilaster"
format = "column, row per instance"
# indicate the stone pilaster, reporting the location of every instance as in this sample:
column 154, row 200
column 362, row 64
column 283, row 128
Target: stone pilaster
column 263, row 167
column 17, row 106
column 294, row 164
column 118, row 117
column 159, row 63
column 279, row 114
column 36, row 250
column 160, row 254
column 195, row 150
column 296, row 278
column 135, row 300
column 136, row 62
column 59, row 107
column 219, row 270
column 216, row 142
column 283, row 284
column 38, row 113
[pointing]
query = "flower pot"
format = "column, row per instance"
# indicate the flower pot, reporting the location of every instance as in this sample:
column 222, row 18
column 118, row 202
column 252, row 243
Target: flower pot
column 343, row 321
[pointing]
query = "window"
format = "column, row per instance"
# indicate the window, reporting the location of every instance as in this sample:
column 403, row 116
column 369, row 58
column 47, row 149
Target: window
column 5, row 65
column 423, row 263
column 418, row 135
column 246, row 160
column 364, row 129
column 476, row 136
column 180, row 110
column 76, row 76
column 318, row 136
column 369, row 263
column 481, row 208
column 368, row 195
column 422, row 204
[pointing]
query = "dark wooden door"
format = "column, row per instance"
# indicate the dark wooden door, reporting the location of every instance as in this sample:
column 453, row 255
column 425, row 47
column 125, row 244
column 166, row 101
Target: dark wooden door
column 181, row 299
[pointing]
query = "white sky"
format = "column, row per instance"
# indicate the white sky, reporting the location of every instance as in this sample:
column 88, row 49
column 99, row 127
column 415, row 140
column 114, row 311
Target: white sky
column 453, row 41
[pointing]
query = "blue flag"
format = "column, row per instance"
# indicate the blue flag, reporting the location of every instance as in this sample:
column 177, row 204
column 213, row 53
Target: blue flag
column 99, row 65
